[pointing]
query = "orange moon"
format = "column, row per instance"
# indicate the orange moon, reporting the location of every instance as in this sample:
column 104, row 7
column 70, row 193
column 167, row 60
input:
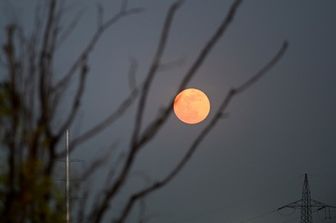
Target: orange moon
column 191, row 106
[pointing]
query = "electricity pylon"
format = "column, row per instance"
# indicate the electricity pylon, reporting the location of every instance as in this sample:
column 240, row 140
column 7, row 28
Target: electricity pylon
column 306, row 204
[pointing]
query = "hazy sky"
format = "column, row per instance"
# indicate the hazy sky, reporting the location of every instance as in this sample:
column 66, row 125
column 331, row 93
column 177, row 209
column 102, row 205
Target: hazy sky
column 254, row 161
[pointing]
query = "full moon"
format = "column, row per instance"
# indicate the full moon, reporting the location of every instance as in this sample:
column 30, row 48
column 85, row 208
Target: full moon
column 191, row 106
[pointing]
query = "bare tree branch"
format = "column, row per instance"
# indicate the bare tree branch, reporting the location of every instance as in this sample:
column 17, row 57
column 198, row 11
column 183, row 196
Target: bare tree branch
column 45, row 57
column 69, row 29
column 153, row 127
column 98, row 214
column 92, row 43
column 232, row 93
column 96, row 164
column 108, row 121
column 153, row 68
column 77, row 99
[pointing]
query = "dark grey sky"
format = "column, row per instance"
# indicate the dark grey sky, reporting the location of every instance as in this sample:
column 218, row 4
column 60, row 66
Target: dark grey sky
column 254, row 161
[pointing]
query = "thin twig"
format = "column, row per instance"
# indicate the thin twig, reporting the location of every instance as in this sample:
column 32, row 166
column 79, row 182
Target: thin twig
column 96, row 164
column 108, row 121
column 92, row 43
column 69, row 29
column 76, row 102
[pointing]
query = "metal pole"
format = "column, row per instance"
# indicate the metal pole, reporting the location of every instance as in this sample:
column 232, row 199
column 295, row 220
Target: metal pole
column 67, row 178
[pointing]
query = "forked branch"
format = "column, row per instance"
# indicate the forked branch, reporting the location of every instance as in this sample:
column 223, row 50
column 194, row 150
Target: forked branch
column 92, row 43
column 153, row 128
column 98, row 214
